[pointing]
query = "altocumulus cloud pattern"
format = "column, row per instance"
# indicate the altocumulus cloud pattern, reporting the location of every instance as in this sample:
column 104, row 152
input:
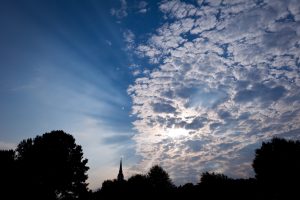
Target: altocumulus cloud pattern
column 226, row 78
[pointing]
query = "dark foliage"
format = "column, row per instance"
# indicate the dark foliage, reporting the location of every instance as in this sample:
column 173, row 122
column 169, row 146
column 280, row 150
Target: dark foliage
column 218, row 186
column 277, row 168
column 51, row 167
column 139, row 183
column 155, row 183
column 214, row 179
column 7, row 172
column 271, row 164
column 159, row 179
column 187, row 191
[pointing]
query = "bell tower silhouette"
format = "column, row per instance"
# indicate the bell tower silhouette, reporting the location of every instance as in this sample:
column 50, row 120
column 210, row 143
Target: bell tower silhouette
column 120, row 175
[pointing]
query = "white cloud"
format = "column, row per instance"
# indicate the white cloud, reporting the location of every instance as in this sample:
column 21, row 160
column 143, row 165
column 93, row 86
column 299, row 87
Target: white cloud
column 128, row 36
column 121, row 12
column 142, row 7
column 136, row 72
column 178, row 9
column 228, row 75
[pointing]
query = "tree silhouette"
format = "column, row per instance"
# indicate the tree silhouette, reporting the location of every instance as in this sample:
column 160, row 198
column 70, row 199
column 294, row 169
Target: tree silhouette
column 52, row 167
column 139, row 184
column 213, row 178
column 7, row 158
column 7, row 173
column 219, row 186
column 154, row 183
column 186, row 191
column 114, row 186
column 108, row 186
column 214, row 185
column 159, row 179
column 277, row 167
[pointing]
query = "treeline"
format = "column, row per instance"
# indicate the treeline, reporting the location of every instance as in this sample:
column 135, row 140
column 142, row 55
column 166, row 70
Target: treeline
column 277, row 177
column 52, row 167
column 47, row 167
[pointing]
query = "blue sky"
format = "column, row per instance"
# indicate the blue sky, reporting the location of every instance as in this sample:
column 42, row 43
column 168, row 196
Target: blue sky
column 191, row 85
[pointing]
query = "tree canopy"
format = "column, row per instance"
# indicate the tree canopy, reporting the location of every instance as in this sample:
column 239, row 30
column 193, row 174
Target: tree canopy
column 159, row 179
column 7, row 171
column 52, row 166
column 277, row 165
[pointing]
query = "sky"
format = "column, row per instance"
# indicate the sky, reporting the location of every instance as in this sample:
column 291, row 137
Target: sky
column 193, row 86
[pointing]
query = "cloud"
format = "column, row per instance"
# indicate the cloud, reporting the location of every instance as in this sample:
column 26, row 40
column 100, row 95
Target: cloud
column 261, row 92
column 121, row 12
column 196, row 124
column 128, row 36
column 117, row 139
column 163, row 108
column 194, row 145
column 225, row 78
column 142, row 7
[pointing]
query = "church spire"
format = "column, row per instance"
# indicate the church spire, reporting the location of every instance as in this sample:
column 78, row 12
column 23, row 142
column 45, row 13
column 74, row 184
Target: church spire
column 120, row 175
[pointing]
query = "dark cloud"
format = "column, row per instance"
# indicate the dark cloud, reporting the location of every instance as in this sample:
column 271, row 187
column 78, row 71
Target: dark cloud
column 261, row 92
column 293, row 98
column 291, row 134
column 224, row 114
column 229, row 145
column 289, row 115
column 254, row 75
column 163, row 108
column 242, row 84
column 197, row 123
column 186, row 92
column 214, row 126
column 209, row 99
column 244, row 116
column 195, row 145
column 199, row 96
column 168, row 94
column 176, row 122
column 281, row 39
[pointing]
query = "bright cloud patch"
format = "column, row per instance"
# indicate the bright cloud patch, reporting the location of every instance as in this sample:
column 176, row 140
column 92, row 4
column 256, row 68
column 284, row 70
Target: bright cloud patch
column 227, row 78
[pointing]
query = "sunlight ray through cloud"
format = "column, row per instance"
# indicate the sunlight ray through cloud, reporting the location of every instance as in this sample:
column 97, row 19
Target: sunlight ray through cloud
column 224, row 74
column 193, row 86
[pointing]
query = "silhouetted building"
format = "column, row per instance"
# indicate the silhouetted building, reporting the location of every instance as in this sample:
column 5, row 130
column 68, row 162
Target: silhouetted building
column 120, row 175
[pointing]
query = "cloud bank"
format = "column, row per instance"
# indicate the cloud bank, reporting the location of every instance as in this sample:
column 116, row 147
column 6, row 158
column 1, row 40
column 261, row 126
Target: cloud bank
column 226, row 78
column 120, row 12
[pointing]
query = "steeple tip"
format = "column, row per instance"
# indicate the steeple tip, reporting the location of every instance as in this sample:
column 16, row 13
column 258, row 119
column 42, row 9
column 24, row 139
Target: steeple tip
column 120, row 175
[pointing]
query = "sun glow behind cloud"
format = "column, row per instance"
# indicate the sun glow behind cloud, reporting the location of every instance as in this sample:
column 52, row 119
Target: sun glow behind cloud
column 225, row 74
column 176, row 132
column 222, row 76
